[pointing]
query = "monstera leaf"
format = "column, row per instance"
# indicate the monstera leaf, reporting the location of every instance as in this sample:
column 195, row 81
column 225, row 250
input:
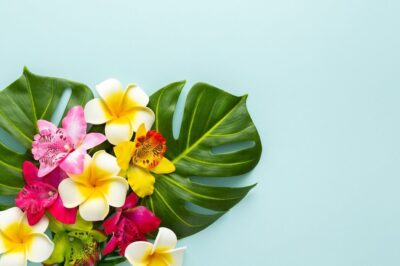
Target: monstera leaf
column 212, row 118
column 25, row 101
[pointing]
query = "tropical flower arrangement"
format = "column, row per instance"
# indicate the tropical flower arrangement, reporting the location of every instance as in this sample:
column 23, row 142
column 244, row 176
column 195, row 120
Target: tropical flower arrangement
column 110, row 182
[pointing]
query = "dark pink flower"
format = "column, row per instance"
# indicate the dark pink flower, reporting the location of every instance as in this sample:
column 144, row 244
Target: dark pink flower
column 129, row 224
column 40, row 195
column 64, row 147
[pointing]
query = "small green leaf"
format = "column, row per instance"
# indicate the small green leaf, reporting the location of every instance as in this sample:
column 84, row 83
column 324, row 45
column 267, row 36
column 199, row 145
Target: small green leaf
column 212, row 118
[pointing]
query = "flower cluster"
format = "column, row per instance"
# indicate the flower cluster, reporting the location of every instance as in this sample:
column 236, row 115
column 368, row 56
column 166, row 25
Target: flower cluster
column 88, row 199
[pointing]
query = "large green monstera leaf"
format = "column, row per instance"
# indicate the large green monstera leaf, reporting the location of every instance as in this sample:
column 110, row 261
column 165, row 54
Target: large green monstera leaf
column 25, row 101
column 212, row 118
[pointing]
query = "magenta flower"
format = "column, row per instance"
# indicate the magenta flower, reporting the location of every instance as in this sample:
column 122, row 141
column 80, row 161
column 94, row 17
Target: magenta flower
column 40, row 195
column 129, row 224
column 64, row 147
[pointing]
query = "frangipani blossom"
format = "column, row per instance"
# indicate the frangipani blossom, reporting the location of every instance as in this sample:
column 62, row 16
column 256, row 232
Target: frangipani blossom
column 161, row 253
column 96, row 188
column 20, row 242
column 123, row 111
column 65, row 147
column 141, row 158
column 40, row 195
column 130, row 223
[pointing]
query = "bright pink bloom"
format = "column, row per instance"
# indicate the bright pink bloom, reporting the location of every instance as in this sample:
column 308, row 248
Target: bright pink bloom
column 40, row 195
column 129, row 224
column 65, row 147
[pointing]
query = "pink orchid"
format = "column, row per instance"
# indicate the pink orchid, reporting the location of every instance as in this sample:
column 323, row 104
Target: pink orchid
column 40, row 195
column 64, row 147
column 129, row 224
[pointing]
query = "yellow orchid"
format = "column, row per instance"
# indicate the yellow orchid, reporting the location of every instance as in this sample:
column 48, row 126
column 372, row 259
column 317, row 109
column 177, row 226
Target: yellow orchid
column 97, row 188
column 123, row 111
column 161, row 253
column 20, row 242
column 140, row 158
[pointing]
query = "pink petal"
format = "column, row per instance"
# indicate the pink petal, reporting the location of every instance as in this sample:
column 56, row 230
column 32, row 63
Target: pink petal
column 30, row 172
column 35, row 217
column 144, row 219
column 35, row 198
column 62, row 214
column 110, row 225
column 131, row 201
column 110, row 246
column 55, row 177
column 46, row 126
column 45, row 169
column 74, row 162
column 75, row 125
column 92, row 140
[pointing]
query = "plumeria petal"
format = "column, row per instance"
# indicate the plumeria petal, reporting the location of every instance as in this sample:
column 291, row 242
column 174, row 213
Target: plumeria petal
column 96, row 112
column 119, row 130
column 92, row 140
column 30, row 172
column 74, row 162
column 10, row 216
column 111, row 93
column 38, row 228
column 144, row 219
column 114, row 190
column 134, row 96
column 177, row 256
column 141, row 115
column 14, row 258
column 164, row 167
column 165, row 240
column 5, row 243
column 75, row 125
column 84, row 178
column 73, row 193
column 38, row 248
column 62, row 214
column 137, row 252
column 104, row 165
column 95, row 208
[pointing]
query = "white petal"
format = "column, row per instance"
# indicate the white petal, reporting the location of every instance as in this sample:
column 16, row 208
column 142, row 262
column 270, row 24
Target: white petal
column 96, row 112
column 118, row 130
column 39, row 248
column 141, row 115
column 137, row 252
column 165, row 240
column 13, row 258
column 10, row 216
column 95, row 208
column 104, row 165
column 5, row 243
column 73, row 194
column 177, row 256
column 39, row 228
column 134, row 96
column 112, row 94
column 114, row 190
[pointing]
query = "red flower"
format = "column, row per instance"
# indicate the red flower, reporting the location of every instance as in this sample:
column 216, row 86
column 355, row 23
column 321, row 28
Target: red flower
column 129, row 224
column 40, row 194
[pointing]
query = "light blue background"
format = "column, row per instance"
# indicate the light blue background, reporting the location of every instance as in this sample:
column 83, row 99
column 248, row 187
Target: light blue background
column 323, row 78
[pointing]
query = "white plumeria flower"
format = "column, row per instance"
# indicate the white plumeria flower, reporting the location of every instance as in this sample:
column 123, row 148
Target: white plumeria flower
column 123, row 111
column 162, row 252
column 20, row 242
column 96, row 189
